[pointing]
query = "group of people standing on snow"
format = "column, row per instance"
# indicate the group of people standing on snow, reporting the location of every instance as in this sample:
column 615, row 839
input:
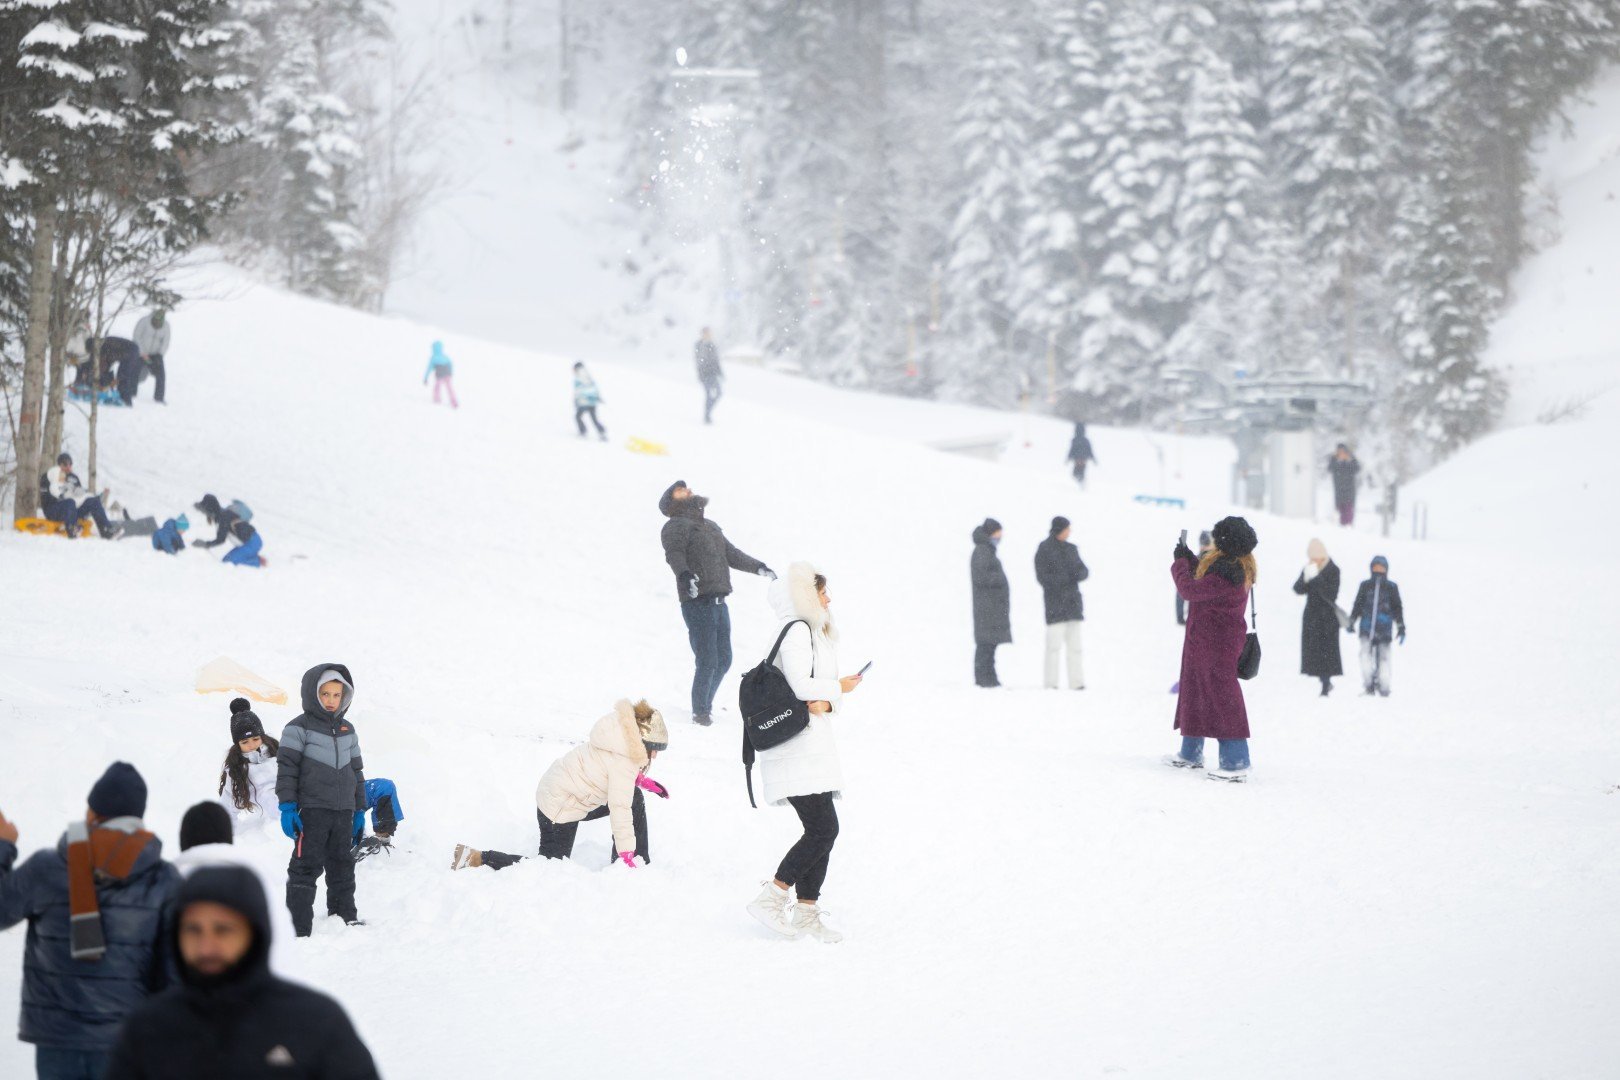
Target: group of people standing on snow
column 120, row 363
column 1059, row 571
column 1377, row 618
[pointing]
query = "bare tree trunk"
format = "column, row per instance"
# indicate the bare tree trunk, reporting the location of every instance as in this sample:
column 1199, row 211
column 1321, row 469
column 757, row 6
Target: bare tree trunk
column 40, row 279
column 95, row 396
column 56, row 400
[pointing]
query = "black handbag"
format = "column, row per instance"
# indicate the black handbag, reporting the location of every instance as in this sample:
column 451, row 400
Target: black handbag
column 771, row 714
column 1249, row 659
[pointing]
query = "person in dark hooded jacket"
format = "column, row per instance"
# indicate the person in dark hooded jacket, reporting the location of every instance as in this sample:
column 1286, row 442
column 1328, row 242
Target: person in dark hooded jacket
column 702, row 560
column 1378, row 618
column 92, row 954
column 1060, row 570
column 230, row 1016
column 992, row 603
column 232, row 527
column 321, row 788
column 1080, row 453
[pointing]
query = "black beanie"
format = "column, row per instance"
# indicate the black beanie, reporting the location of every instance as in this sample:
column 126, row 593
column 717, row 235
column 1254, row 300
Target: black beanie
column 1059, row 524
column 244, row 724
column 119, row 793
column 1234, row 536
column 205, row 823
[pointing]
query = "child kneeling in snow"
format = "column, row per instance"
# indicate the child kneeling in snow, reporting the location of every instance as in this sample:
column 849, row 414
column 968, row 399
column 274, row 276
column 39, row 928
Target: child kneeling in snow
column 604, row 777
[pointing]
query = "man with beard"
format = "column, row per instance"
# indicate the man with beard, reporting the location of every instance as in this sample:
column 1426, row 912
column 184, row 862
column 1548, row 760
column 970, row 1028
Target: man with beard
column 230, row 1015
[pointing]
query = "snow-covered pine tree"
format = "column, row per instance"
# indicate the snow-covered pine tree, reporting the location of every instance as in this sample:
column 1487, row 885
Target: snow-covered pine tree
column 980, row 359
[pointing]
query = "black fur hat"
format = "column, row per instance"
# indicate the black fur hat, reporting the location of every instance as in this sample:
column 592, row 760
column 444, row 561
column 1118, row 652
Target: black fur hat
column 244, row 725
column 1234, row 536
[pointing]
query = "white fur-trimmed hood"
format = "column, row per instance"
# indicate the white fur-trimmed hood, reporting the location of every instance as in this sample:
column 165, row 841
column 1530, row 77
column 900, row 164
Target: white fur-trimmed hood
column 794, row 597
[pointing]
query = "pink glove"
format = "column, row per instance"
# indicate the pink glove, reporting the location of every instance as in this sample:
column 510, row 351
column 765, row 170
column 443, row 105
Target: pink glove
column 629, row 858
column 647, row 783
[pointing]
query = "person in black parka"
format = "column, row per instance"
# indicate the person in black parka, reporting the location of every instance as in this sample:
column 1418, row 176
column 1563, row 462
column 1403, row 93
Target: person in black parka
column 1080, row 453
column 992, row 604
column 1060, row 570
column 1319, row 637
column 230, row 1015
column 1345, row 469
column 1378, row 618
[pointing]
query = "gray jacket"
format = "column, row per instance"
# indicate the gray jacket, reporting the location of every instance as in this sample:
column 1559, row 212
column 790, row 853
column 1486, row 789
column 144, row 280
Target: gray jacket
column 693, row 543
column 318, row 764
column 152, row 340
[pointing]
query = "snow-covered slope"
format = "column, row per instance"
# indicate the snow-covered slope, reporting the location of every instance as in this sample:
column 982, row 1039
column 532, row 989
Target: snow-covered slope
column 1026, row 890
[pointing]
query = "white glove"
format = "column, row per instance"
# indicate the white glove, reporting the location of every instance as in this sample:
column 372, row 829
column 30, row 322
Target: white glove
column 1311, row 570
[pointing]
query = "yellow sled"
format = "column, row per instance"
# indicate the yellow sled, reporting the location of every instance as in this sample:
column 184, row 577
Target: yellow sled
column 41, row 527
column 646, row 446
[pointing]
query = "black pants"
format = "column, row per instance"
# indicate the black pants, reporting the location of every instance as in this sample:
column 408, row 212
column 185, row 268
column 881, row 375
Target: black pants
column 327, row 845
column 155, row 362
column 711, row 394
column 581, row 412
column 984, row 665
column 557, row 841
column 805, row 865
column 70, row 515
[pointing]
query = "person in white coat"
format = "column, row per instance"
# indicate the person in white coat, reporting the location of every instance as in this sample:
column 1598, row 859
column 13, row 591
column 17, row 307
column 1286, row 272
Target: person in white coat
column 206, row 840
column 803, row 772
column 247, row 783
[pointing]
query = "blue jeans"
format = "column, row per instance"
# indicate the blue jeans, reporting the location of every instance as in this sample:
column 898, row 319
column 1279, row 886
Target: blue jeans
column 60, row 1063
column 248, row 553
column 1234, row 752
column 708, row 628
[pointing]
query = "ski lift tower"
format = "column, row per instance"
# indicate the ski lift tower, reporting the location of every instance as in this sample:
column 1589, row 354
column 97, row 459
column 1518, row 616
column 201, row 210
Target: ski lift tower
column 714, row 105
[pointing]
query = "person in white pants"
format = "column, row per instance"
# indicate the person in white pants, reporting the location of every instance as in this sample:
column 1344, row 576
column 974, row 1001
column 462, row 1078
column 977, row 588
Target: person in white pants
column 1060, row 570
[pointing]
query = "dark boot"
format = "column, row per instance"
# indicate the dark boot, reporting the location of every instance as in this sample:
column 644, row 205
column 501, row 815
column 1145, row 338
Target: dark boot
column 301, row 905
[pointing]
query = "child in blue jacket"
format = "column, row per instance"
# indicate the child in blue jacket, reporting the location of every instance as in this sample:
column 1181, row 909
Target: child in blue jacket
column 168, row 539
column 440, row 369
column 586, row 398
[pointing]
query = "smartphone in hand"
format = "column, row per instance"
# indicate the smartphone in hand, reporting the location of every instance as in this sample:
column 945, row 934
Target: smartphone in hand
column 861, row 674
column 1183, row 537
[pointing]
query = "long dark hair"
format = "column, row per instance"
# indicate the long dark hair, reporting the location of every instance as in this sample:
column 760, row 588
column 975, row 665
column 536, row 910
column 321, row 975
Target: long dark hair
column 236, row 771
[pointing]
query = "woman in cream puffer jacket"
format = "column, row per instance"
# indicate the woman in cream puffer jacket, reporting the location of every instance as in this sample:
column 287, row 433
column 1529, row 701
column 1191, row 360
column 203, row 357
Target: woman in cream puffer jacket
column 606, row 774
column 803, row 772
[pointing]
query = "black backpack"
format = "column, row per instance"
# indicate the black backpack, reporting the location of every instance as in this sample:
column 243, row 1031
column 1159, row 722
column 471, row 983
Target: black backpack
column 771, row 713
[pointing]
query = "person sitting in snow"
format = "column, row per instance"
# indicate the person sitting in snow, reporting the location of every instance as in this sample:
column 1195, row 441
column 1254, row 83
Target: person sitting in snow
column 586, row 398
column 1377, row 619
column 169, row 538
column 440, row 369
column 603, row 777
column 63, row 498
column 234, row 527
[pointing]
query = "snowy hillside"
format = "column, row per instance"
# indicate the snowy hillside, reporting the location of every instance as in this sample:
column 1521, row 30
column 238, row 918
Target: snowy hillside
column 1025, row 889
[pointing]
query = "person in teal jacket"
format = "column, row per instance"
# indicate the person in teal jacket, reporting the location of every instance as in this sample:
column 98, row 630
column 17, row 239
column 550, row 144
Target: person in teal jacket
column 440, row 368
column 586, row 398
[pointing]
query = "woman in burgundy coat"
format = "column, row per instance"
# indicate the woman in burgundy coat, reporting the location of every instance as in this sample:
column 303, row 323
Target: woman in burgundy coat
column 1216, row 588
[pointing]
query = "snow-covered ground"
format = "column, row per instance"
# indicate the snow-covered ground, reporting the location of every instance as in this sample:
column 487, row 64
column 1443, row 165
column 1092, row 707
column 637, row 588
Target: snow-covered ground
column 1412, row 887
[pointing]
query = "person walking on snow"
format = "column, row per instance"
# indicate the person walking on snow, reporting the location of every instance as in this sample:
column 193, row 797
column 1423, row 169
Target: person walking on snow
column 1060, row 570
column 229, row 1014
column 63, row 498
column 96, row 945
column 992, row 603
column 803, row 772
column 586, row 398
column 440, row 369
column 1344, row 468
column 1080, row 453
column 708, row 371
column 604, row 777
column 1319, row 634
column 152, row 339
column 1379, row 620
column 1210, row 704
column 702, row 559
column 321, row 788
column 232, row 523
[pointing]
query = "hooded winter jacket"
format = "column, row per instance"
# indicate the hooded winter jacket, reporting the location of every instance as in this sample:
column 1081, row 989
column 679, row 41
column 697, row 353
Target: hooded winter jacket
column 1390, row 618
column 1060, row 570
column 694, row 543
column 318, row 764
column 601, row 772
column 438, row 363
column 78, row 1004
column 250, row 1025
column 992, row 600
column 231, row 526
column 806, row 764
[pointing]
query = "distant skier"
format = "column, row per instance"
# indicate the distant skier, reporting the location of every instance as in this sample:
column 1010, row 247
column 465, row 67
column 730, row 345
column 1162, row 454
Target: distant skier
column 709, row 373
column 702, row 559
column 440, row 369
column 232, row 522
column 1319, row 634
column 1204, row 544
column 1060, row 570
column 1080, row 453
column 152, row 339
column 170, row 539
column 1344, row 468
column 1378, row 619
column 1210, row 704
column 992, row 603
column 604, row 777
column 804, row 772
column 586, row 398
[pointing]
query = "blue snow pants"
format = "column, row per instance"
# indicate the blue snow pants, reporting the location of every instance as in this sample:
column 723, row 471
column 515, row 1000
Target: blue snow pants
column 248, row 553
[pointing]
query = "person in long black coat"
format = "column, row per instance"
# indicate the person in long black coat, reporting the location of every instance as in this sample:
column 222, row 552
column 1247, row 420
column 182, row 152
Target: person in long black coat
column 1319, row 636
column 1080, row 453
column 1060, row 570
column 1344, row 468
column 992, row 603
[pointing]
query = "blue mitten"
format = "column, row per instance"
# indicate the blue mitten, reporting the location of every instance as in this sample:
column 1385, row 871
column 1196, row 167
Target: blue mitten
column 291, row 823
column 359, row 824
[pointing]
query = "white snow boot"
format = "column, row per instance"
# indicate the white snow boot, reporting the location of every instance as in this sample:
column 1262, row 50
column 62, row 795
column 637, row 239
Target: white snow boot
column 1176, row 761
column 466, row 855
column 1231, row 776
column 770, row 909
column 807, row 921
